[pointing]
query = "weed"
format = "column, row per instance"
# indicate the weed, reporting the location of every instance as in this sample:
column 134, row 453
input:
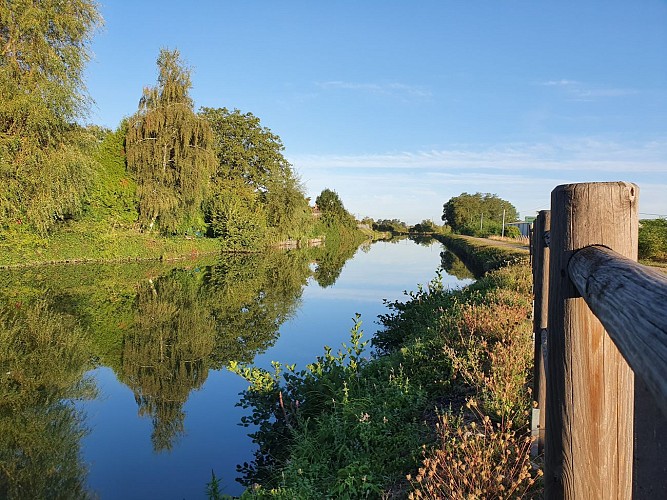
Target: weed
column 478, row 459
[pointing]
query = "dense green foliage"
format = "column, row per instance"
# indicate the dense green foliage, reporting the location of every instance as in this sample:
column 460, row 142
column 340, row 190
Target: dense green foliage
column 653, row 240
column 391, row 225
column 477, row 214
column 169, row 150
column 333, row 429
column 352, row 425
column 427, row 226
column 45, row 168
column 254, row 192
column 112, row 195
column 333, row 212
column 166, row 170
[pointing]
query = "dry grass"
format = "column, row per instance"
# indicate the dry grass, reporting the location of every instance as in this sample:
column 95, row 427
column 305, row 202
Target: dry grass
column 490, row 347
column 476, row 460
column 484, row 450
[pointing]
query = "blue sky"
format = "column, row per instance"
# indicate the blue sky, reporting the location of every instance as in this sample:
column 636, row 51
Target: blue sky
column 401, row 105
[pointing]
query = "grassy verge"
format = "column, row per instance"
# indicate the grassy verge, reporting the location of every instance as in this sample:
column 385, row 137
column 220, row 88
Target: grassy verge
column 90, row 243
column 438, row 410
column 97, row 242
column 481, row 255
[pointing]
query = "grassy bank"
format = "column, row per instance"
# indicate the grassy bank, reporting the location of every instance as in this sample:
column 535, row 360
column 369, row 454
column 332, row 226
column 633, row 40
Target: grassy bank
column 438, row 410
column 89, row 242
column 482, row 255
column 92, row 243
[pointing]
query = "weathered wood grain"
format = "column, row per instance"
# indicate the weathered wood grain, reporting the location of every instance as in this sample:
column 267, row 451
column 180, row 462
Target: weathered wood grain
column 589, row 421
column 631, row 302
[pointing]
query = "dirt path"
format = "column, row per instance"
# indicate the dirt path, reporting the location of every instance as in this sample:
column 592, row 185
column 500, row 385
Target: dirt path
column 498, row 243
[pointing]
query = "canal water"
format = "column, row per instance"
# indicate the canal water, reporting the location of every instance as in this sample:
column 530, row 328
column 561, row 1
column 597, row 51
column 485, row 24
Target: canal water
column 156, row 414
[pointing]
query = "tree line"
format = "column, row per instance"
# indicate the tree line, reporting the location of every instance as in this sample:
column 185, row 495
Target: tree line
column 483, row 214
column 167, row 168
column 480, row 214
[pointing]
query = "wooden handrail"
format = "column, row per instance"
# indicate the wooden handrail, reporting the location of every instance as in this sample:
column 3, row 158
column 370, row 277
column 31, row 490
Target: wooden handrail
column 630, row 300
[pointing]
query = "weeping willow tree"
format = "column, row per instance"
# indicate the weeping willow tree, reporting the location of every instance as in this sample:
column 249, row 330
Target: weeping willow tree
column 169, row 149
column 44, row 167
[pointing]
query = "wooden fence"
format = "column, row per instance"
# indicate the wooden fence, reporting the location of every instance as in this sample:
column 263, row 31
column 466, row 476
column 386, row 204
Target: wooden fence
column 600, row 325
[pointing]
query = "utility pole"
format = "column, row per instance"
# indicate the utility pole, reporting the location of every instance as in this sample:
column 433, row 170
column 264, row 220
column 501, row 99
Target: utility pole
column 481, row 221
column 503, row 231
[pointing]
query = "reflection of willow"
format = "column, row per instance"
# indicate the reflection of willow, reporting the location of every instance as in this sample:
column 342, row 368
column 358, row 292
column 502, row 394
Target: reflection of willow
column 43, row 355
column 165, row 355
column 331, row 259
column 250, row 296
column 188, row 322
column 454, row 266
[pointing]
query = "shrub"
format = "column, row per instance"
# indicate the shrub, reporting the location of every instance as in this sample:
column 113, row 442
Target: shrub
column 653, row 239
column 351, row 427
column 512, row 232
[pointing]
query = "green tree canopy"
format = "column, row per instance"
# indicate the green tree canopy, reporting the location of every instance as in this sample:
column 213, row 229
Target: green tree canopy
column 245, row 149
column 43, row 170
column 169, row 150
column 251, row 169
column 391, row 225
column 333, row 210
column 477, row 213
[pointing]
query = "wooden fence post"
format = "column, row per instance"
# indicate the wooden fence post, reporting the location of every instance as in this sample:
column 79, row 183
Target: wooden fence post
column 540, row 253
column 590, row 391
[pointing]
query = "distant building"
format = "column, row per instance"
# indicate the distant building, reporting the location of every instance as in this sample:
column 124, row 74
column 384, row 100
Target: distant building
column 524, row 226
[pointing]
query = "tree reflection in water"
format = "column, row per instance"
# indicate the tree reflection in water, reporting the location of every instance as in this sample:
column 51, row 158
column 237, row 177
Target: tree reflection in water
column 160, row 336
column 165, row 354
column 43, row 356
column 455, row 266
column 190, row 321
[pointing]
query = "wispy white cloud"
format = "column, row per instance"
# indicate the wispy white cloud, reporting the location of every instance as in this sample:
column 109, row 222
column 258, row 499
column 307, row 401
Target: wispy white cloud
column 560, row 83
column 414, row 185
column 582, row 154
column 394, row 88
column 581, row 91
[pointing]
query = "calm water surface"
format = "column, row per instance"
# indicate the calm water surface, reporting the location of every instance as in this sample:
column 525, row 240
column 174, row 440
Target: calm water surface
column 157, row 415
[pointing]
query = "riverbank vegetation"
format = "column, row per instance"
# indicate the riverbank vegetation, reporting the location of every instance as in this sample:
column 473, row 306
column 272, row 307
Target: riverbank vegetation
column 653, row 242
column 437, row 409
column 70, row 192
